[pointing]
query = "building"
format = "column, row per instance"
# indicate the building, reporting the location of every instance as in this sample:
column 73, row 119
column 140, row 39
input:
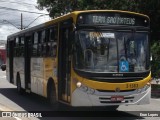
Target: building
column 2, row 52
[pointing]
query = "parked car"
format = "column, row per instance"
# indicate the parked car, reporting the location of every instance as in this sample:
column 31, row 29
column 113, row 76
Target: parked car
column 3, row 67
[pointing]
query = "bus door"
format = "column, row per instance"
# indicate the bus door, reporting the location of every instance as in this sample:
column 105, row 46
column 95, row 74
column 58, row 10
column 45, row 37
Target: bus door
column 27, row 59
column 11, row 44
column 64, row 61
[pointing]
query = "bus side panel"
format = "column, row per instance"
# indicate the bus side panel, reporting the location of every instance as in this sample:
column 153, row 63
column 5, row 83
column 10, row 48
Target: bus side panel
column 19, row 68
column 37, row 75
column 7, row 69
column 50, row 71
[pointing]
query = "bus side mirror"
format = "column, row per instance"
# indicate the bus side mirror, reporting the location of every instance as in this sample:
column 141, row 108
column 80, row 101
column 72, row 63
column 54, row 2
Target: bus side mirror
column 3, row 67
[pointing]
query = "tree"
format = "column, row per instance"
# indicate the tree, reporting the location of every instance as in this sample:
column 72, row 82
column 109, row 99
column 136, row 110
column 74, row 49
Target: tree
column 58, row 7
column 155, row 50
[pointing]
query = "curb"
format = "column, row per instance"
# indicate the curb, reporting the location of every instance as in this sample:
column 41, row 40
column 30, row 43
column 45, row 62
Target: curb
column 3, row 108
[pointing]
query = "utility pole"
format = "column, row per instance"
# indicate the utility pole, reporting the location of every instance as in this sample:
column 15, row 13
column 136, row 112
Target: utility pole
column 21, row 22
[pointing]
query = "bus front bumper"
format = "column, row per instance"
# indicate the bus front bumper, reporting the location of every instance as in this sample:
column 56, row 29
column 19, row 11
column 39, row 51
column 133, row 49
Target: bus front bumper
column 82, row 98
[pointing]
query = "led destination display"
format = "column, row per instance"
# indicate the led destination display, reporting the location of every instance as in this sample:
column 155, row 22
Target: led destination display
column 112, row 18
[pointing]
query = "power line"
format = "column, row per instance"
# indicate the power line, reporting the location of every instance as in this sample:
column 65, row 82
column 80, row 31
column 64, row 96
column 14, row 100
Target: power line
column 21, row 3
column 6, row 21
column 6, row 8
column 34, row 21
column 27, row 20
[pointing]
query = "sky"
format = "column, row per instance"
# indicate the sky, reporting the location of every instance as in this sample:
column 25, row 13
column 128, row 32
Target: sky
column 10, row 16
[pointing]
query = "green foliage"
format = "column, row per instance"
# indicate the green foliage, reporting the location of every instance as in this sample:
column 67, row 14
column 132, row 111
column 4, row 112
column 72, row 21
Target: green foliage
column 58, row 7
column 155, row 50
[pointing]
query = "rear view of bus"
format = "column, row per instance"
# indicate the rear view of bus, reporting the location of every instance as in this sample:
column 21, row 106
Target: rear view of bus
column 111, row 59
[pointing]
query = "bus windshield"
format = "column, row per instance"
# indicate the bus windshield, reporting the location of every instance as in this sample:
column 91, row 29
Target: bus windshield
column 111, row 51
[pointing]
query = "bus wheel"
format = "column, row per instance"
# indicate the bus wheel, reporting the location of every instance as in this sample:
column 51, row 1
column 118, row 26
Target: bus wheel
column 19, row 89
column 52, row 96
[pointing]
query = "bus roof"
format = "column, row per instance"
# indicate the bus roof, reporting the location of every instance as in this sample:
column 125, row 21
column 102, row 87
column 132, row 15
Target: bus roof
column 67, row 16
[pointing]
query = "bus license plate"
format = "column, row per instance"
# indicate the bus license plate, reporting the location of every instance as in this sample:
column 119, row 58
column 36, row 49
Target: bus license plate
column 132, row 86
column 117, row 98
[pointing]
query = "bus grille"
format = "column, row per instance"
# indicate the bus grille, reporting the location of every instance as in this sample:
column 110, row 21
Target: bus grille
column 108, row 100
column 117, row 80
column 114, row 90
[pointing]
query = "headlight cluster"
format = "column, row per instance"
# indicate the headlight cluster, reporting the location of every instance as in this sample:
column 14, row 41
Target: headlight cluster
column 144, row 88
column 85, row 88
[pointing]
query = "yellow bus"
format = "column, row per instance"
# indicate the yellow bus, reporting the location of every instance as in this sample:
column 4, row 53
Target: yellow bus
column 84, row 58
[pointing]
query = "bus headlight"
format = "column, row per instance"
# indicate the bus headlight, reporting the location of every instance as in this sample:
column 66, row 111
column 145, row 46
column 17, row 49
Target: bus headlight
column 90, row 91
column 82, row 87
column 79, row 84
column 144, row 88
column 85, row 88
column 139, row 90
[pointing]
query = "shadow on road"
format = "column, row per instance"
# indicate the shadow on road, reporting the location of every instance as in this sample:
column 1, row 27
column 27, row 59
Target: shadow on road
column 29, row 102
column 35, row 103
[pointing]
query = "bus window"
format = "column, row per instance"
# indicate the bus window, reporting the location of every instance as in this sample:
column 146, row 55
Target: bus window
column 34, row 50
column 53, row 49
column 47, row 34
column 21, row 48
column 44, row 50
column 43, row 38
column 40, row 37
column 22, row 40
column 39, row 50
column 17, row 41
column 35, row 38
column 53, row 33
column 53, row 38
column 15, row 47
column 48, row 46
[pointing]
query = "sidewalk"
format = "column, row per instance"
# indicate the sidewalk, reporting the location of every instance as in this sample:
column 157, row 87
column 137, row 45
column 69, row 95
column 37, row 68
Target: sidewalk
column 156, row 81
column 155, row 88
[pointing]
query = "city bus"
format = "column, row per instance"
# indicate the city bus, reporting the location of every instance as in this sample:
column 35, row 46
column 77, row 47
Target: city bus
column 84, row 58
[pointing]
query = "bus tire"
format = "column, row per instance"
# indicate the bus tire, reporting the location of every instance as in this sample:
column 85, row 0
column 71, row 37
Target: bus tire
column 3, row 69
column 19, row 88
column 51, row 95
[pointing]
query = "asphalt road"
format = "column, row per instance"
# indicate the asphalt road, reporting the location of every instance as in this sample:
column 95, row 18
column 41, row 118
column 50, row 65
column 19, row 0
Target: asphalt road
column 11, row 101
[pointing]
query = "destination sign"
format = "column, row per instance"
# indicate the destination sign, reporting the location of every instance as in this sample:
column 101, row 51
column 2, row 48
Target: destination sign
column 112, row 18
